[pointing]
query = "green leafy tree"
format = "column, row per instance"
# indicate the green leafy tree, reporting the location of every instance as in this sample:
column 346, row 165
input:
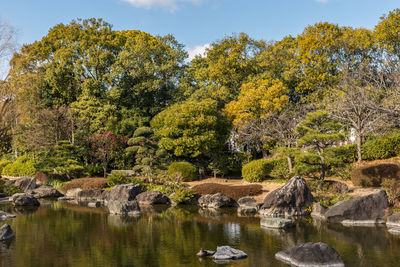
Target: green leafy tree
column 144, row 147
column 317, row 132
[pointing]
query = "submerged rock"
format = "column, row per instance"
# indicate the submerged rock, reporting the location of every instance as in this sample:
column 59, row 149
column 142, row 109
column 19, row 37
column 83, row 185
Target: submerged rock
column 152, row 198
column 25, row 183
column 276, row 223
column 310, row 254
column 6, row 216
column 226, row 253
column 22, row 199
column 247, row 205
column 205, row 253
column 6, row 233
column 130, row 208
column 216, row 201
column 45, row 191
column 369, row 209
column 124, row 192
column 292, row 199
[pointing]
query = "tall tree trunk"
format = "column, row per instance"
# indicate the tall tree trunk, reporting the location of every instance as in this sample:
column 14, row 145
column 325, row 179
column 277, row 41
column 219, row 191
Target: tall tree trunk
column 358, row 141
column 104, row 171
column 323, row 168
column 290, row 164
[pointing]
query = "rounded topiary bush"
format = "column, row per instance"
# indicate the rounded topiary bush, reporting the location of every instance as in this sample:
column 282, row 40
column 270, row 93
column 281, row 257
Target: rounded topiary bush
column 373, row 175
column 381, row 148
column 257, row 170
column 186, row 170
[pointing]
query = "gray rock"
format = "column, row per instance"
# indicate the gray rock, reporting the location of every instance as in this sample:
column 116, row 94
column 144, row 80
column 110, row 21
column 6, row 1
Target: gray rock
column 152, row 198
column 369, row 209
column 247, row 205
column 23, row 199
column 393, row 220
column 318, row 211
column 95, row 204
column 226, row 253
column 205, row 253
column 6, row 233
column 94, row 194
column 216, row 201
column 124, row 192
column 6, row 216
column 73, row 192
column 311, row 254
column 26, row 183
column 292, row 199
column 65, row 198
column 130, row 208
column 276, row 223
column 45, row 191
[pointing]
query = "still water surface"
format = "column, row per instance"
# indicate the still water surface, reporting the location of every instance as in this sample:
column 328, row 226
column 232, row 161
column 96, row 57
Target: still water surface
column 64, row 234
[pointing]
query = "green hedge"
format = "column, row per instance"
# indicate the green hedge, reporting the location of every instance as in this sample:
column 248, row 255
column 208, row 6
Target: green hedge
column 381, row 148
column 187, row 170
column 23, row 166
column 261, row 169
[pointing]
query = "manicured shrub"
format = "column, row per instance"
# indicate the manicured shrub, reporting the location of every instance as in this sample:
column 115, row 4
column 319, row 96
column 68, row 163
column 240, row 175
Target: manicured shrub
column 85, row 183
column 381, row 148
column 183, row 195
column 373, row 175
column 23, row 166
column 280, row 168
column 186, row 170
column 256, row 170
column 116, row 178
column 342, row 154
column 232, row 191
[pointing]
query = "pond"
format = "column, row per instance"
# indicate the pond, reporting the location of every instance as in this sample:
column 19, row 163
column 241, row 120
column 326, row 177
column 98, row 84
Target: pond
column 65, row 234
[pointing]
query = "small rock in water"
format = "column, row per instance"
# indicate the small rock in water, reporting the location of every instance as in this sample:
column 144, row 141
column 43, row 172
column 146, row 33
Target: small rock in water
column 22, row 199
column 6, row 233
column 5, row 216
column 276, row 223
column 311, row 254
column 205, row 253
column 226, row 253
column 94, row 204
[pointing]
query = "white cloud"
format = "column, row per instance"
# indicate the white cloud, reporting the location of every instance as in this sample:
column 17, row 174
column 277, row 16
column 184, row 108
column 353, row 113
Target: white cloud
column 172, row 5
column 197, row 50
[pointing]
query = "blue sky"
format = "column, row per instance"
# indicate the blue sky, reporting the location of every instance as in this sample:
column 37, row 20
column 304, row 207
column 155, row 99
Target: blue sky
column 195, row 22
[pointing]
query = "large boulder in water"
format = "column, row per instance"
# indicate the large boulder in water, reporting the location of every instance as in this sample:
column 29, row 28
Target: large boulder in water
column 369, row 209
column 216, row 201
column 22, row 199
column 6, row 233
column 25, row 183
column 123, row 207
column 45, row 191
column 310, row 254
column 290, row 200
column 152, row 198
column 124, row 192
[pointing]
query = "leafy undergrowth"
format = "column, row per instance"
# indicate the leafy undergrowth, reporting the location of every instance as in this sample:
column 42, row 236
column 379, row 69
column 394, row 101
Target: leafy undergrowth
column 85, row 183
column 234, row 192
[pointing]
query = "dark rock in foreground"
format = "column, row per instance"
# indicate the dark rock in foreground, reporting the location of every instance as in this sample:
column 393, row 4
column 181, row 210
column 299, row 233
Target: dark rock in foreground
column 22, row 199
column 6, row 233
column 6, row 216
column 290, row 200
column 130, row 208
column 152, row 198
column 276, row 223
column 124, row 192
column 225, row 254
column 45, row 191
column 369, row 209
column 25, row 183
column 216, row 201
column 311, row 254
column 247, row 205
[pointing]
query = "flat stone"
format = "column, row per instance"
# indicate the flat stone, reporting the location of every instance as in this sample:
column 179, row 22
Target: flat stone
column 311, row 254
column 6, row 216
column 276, row 223
column 362, row 222
column 226, row 253
column 6, row 233
column 366, row 209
